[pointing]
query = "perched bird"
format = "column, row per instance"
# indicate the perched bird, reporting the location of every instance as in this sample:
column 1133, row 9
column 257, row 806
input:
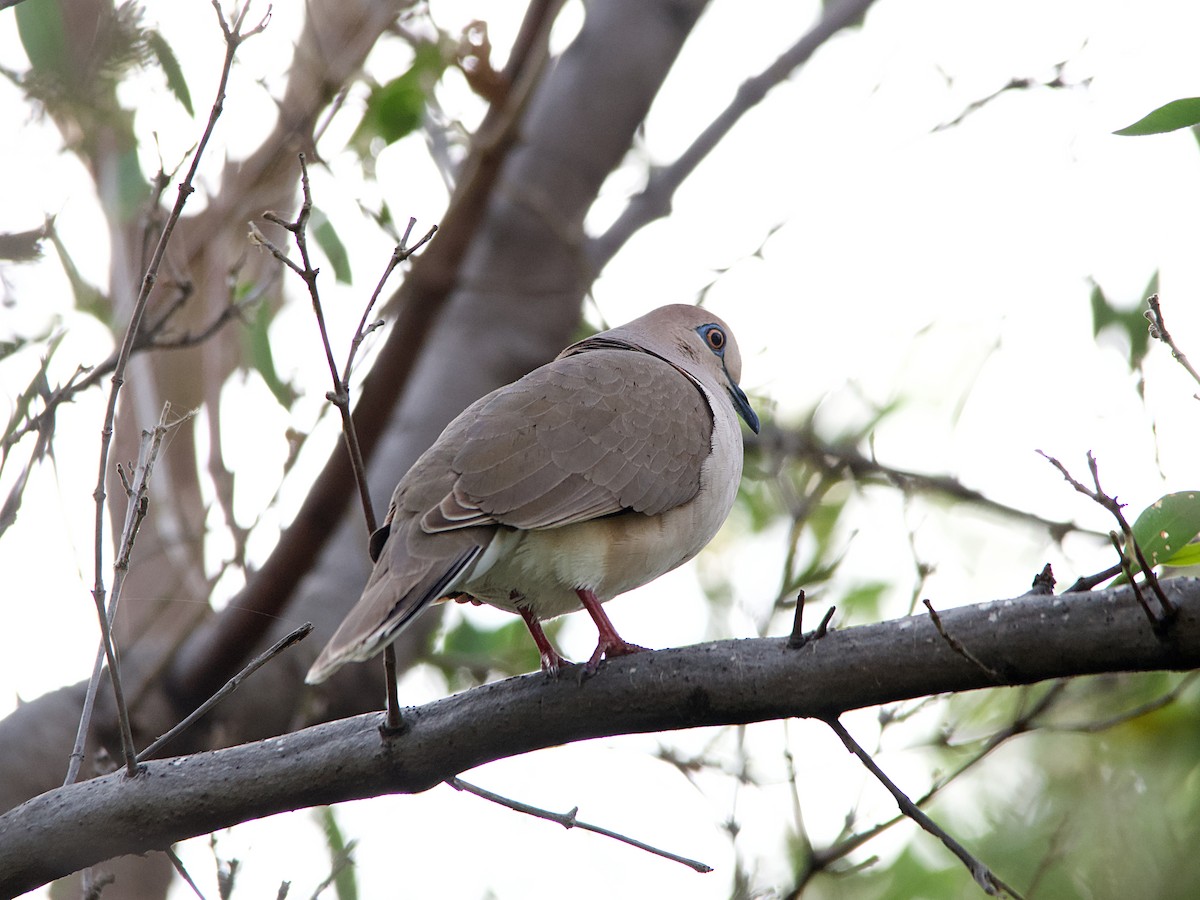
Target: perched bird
column 590, row 476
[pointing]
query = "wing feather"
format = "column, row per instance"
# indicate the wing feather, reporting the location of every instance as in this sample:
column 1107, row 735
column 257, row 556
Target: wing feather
column 588, row 435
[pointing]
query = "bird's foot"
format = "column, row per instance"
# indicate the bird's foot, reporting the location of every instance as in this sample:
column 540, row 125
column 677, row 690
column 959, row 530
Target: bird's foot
column 608, row 650
column 553, row 662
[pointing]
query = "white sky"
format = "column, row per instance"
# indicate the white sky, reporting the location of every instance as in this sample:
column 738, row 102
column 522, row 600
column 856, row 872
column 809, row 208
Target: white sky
column 948, row 269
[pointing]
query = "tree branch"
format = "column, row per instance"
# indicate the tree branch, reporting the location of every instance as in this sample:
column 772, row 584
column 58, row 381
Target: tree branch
column 654, row 202
column 721, row 683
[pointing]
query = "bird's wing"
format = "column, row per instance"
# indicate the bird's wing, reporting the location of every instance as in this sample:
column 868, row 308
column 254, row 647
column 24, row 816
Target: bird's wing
column 586, row 436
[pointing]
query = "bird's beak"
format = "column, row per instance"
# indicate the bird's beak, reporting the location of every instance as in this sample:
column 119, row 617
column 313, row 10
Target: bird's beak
column 742, row 405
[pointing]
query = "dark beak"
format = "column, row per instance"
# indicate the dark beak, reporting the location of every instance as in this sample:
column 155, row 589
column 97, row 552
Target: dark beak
column 742, row 405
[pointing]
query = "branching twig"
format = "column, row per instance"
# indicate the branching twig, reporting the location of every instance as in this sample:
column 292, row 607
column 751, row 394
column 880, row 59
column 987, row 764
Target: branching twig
column 655, row 199
column 88, row 377
column 1014, row 84
column 400, row 254
column 340, row 395
column 232, row 685
column 847, row 460
column 1161, row 622
column 568, row 820
column 137, row 504
column 233, row 39
column 983, row 876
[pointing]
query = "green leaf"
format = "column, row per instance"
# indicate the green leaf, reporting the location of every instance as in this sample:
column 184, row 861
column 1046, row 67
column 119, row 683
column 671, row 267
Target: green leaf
column 395, row 109
column 1164, row 528
column 1171, row 117
column 170, row 66
column 40, row 25
column 1188, row 555
column 331, row 245
column 262, row 360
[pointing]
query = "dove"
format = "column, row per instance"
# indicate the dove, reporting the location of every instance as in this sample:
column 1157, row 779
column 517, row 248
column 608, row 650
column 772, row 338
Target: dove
column 592, row 475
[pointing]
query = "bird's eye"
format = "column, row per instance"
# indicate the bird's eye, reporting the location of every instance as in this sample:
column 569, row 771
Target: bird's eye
column 714, row 337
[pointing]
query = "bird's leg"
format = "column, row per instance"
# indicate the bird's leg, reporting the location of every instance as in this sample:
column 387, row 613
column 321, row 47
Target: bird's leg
column 552, row 660
column 611, row 644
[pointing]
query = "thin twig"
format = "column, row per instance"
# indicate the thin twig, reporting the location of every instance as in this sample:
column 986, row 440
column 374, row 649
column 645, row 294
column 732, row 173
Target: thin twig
column 1087, row 582
column 568, row 820
column 230, row 686
column 340, row 395
column 655, row 199
column 845, row 460
column 1014, row 84
column 137, row 504
column 1158, row 329
column 983, row 876
column 419, row 302
column 1127, row 571
column 233, row 39
column 400, row 253
column 1023, row 724
column 89, row 376
column 1161, row 622
column 957, row 646
column 183, row 872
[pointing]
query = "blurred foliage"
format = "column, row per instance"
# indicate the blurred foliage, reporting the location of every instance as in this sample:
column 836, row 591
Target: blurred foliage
column 1126, row 321
column 469, row 652
column 256, row 339
column 1098, row 799
column 331, row 245
column 342, row 872
column 396, row 109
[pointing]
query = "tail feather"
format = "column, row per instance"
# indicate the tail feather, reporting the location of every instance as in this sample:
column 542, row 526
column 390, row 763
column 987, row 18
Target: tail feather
column 384, row 610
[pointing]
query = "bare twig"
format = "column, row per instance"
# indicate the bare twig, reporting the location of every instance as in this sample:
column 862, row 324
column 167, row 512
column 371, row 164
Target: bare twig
column 233, row 39
column 1014, row 84
column 1024, row 723
column 957, row 646
column 137, row 504
column 1161, row 622
column 1127, row 571
column 183, row 872
column 340, row 395
column 88, row 377
column 1087, row 582
column 846, row 460
column 232, row 685
column 983, row 876
column 401, row 253
column 568, row 820
column 1158, row 329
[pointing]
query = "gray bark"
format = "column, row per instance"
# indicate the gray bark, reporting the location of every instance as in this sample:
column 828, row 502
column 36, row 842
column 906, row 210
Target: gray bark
column 1009, row 642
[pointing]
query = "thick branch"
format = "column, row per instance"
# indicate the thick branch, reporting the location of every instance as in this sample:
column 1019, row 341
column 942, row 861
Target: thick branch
column 1023, row 640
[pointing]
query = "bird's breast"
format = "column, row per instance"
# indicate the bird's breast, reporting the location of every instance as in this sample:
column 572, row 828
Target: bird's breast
column 540, row 569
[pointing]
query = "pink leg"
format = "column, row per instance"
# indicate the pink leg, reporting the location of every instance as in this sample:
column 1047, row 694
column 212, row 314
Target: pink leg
column 611, row 644
column 551, row 659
